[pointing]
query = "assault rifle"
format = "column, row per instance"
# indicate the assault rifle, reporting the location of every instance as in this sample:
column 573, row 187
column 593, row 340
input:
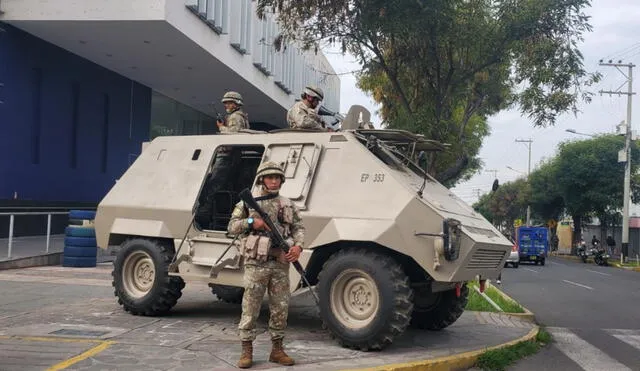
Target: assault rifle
column 277, row 238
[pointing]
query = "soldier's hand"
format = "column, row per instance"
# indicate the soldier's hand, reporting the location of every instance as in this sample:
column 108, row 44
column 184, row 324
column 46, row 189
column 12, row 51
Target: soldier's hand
column 219, row 123
column 293, row 254
column 259, row 225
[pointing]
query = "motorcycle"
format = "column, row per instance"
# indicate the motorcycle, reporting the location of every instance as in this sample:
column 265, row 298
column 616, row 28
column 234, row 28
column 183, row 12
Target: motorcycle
column 582, row 252
column 600, row 256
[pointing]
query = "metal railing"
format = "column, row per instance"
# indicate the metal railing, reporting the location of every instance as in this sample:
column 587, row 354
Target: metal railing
column 12, row 216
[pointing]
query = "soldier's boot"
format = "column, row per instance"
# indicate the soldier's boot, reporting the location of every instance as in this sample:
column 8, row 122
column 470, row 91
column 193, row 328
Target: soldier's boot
column 278, row 355
column 246, row 358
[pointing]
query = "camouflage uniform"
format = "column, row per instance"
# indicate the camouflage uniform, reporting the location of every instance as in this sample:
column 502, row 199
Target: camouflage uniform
column 302, row 116
column 236, row 120
column 271, row 275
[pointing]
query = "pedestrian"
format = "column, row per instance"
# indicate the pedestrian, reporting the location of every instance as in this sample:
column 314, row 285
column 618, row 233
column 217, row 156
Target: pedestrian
column 266, row 268
column 612, row 244
column 303, row 115
column 236, row 118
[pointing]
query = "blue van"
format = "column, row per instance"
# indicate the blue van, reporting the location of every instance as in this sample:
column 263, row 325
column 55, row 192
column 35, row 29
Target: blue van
column 533, row 244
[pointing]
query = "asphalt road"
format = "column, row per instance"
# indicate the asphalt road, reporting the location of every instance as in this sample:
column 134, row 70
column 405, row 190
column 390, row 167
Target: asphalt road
column 592, row 312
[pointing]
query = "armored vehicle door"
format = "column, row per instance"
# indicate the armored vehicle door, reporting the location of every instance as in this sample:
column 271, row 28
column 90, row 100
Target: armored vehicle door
column 299, row 161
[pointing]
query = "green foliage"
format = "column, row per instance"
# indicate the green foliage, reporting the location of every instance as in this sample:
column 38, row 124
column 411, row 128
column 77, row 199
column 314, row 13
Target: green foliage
column 442, row 67
column 589, row 176
column 478, row 303
column 505, row 205
column 547, row 200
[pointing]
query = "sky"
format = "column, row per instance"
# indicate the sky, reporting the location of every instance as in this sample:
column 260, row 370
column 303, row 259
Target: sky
column 615, row 35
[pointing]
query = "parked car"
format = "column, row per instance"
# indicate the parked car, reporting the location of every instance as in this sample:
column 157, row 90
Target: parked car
column 514, row 257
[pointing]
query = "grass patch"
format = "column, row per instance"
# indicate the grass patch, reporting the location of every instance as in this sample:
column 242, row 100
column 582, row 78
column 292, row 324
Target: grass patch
column 498, row 360
column 478, row 303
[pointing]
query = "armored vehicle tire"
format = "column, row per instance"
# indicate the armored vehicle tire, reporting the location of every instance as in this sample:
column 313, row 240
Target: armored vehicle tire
column 435, row 311
column 229, row 294
column 365, row 299
column 141, row 280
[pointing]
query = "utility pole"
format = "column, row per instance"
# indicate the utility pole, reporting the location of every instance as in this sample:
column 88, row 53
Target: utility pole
column 528, row 142
column 627, row 149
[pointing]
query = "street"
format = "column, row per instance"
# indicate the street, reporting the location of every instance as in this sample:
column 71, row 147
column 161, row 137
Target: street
column 592, row 312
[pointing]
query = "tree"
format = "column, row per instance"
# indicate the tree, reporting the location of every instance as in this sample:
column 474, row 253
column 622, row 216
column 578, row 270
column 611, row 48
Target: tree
column 546, row 197
column 590, row 178
column 442, row 67
column 505, row 205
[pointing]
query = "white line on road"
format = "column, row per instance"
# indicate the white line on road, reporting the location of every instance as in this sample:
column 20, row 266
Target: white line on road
column 604, row 274
column 532, row 270
column 584, row 354
column 633, row 340
column 577, row 284
column 564, row 265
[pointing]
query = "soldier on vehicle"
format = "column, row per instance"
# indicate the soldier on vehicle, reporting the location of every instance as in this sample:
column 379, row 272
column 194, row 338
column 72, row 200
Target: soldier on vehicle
column 266, row 268
column 303, row 115
column 236, row 118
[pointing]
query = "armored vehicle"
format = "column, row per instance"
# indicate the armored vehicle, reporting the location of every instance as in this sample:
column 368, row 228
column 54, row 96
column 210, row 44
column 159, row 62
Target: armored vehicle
column 386, row 245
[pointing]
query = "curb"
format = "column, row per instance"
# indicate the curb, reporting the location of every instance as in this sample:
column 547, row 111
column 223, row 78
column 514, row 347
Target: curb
column 590, row 260
column 527, row 315
column 32, row 261
column 454, row 362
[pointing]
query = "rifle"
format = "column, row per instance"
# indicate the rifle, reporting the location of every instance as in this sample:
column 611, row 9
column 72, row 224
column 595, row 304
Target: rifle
column 219, row 117
column 278, row 239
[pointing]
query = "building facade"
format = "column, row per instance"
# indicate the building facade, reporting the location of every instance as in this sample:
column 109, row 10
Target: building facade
column 84, row 83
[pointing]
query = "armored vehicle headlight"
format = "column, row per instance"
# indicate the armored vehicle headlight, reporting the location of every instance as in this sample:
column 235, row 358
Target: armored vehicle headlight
column 451, row 235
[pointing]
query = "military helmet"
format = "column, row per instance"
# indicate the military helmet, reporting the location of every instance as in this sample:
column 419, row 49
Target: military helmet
column 269, row 168
column 313, row 91
column 232, row 96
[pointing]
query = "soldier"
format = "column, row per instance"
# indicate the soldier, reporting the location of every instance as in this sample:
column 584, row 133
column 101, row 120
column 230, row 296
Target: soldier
column 303, row 115
column 236, row 118
column 266, row 268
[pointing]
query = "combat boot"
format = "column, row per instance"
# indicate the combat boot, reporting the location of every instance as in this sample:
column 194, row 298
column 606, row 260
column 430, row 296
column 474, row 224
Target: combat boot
column 278, row 355
column 246, row 358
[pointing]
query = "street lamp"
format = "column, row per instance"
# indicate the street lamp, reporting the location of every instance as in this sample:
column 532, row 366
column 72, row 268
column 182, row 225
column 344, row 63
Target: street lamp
column 579, row 133
column 517, row 171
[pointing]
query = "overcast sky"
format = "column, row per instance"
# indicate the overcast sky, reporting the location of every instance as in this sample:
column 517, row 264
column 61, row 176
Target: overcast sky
column 615, row 35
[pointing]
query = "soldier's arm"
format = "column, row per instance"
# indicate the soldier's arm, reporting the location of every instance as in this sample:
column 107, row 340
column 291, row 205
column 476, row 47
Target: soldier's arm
column 307, row 120
column 297, row 227
column 238, row 223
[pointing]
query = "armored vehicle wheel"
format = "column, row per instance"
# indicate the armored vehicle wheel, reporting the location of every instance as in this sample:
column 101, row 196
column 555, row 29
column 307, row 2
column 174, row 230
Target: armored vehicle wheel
column 365, row 299
column 229, row 294
column 435, row 311
column 141, row 280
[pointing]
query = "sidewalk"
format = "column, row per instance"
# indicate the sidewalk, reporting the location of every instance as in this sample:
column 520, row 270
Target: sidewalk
column 69, row 319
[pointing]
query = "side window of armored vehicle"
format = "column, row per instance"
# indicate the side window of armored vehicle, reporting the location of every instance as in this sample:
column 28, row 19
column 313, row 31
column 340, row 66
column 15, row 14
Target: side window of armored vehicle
column 233, row 169
column 299, row 161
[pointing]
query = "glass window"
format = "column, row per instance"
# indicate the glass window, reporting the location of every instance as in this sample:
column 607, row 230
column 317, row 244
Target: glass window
column 170, row 117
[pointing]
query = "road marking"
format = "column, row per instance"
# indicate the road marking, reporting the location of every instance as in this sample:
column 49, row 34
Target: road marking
column 564, row 265
column 81, row 357
column 577, row 284
column 584, row 354
column 604, row 274
column 630, row 337
column 532, row 270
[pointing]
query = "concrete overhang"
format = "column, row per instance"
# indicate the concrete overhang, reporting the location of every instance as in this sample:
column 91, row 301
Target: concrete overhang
column 158, row 43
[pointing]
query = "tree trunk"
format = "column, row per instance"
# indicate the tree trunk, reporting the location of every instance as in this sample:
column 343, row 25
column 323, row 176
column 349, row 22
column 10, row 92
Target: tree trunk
column 577, row 232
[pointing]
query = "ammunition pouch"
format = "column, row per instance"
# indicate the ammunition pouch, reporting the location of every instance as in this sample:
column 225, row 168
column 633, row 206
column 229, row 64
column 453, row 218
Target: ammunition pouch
column 256, row 247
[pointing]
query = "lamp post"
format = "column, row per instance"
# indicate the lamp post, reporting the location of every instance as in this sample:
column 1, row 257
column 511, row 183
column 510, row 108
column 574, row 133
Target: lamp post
column 579, row 133
column 528, row 142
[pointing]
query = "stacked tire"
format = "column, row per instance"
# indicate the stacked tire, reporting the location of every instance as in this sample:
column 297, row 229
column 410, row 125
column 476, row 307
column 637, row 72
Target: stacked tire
column 80, row 247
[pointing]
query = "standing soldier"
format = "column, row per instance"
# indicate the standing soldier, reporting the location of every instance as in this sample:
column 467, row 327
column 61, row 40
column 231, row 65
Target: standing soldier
column 303, row 115
column 266, row 268
column 236, row 118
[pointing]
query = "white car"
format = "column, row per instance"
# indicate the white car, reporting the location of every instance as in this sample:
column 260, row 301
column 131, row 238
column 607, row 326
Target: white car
column 514, row 257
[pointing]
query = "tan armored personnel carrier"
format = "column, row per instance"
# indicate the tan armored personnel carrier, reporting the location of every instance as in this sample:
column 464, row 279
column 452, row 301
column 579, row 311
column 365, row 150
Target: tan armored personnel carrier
column 386, row 245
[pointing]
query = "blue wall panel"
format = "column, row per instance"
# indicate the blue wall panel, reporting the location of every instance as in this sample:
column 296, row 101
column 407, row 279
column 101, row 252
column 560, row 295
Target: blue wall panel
column 52, row 122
